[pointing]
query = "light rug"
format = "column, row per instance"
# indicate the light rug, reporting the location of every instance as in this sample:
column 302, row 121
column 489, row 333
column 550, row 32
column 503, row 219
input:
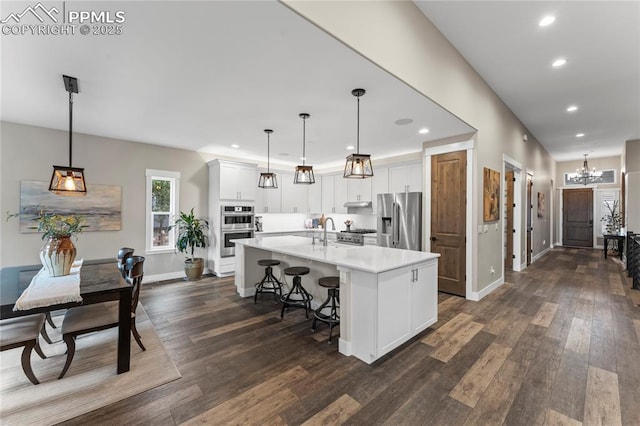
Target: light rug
column 91, row 381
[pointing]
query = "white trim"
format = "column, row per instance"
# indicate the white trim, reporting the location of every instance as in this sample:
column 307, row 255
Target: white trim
column 517, row 213
column 539, row 255
column 478, row 295
column 162, row 173
column 528, row 204
column 471, row 237
column 516, row 165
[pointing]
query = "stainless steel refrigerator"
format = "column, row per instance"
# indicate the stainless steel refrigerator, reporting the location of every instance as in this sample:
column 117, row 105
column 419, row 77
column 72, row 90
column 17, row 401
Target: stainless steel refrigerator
column 400, row 220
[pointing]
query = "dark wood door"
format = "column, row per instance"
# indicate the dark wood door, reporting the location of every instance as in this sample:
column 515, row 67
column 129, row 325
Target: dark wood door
column 508, row 231
column 577, row 217
column 448, row 219
column 529, row 218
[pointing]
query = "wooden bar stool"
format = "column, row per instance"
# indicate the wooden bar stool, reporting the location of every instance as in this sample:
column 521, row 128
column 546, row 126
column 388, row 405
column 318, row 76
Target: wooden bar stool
column 269, row 283
column 328, row 311
column 298, row 296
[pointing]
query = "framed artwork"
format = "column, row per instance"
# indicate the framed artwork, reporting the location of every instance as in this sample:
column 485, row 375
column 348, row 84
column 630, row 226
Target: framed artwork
column 540, row 204
column 491, row 195
column 100, row 209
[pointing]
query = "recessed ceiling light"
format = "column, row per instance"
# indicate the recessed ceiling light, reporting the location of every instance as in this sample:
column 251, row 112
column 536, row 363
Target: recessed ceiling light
column 423, row 131
column 235, row 145
column 579, row 135
column 404, row 121
column 572, row 108
column 547, row 20
column 559, row 62
column 351, row 148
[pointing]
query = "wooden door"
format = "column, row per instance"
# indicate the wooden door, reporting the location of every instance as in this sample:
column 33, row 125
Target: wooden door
column 448, row 219
column 577, row 217
column 529, row 218
column 508, row 237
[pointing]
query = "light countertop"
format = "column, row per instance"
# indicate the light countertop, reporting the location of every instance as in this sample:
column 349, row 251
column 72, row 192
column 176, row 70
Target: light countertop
column 372, row 259
column 281, row 231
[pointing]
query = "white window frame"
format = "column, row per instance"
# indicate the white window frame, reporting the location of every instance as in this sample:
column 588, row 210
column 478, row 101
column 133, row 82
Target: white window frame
column 174, row 178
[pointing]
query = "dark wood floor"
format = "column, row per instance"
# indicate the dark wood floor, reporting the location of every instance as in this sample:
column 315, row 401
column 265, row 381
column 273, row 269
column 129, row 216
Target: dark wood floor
column 556, row 344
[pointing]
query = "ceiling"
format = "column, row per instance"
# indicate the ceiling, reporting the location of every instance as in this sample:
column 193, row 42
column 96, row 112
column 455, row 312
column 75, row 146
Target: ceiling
column 205, row 75
column 600, row 41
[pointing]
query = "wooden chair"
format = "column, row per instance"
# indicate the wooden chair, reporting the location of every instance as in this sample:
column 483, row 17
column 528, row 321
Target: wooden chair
column 102, row 316
column 23, row 331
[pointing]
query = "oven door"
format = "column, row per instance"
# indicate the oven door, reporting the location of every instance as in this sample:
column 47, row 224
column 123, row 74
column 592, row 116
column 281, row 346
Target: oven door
column 236, row 221
column 227, row 247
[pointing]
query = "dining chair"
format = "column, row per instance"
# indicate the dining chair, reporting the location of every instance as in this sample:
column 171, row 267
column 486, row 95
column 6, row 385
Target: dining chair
column 102, row 316
column 123, row 254
column 23, row 331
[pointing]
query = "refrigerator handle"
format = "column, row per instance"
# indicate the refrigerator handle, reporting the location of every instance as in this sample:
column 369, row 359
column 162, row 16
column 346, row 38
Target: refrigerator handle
column 393, row 224
column 397, row 223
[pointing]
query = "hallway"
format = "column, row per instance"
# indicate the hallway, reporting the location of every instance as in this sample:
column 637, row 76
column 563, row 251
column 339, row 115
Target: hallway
column 557, row 344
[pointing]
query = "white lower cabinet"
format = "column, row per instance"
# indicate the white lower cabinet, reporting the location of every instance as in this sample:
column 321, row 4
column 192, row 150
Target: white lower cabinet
column 407, row 303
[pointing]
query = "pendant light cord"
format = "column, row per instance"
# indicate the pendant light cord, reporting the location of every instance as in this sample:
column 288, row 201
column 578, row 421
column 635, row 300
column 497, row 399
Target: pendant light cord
column 304, row 139
column 70, row 127
column 268, row 149
column 358, row 128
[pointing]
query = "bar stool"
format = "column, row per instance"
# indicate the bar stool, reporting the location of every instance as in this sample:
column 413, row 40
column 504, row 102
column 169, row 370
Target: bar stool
column 301, row 297
column 273, row 285
column 332, row 304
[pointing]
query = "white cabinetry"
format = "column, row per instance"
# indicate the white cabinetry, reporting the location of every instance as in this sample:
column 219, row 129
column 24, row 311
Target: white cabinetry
column 236, row 180
column 268, row 200
column 334, row 194
column 315, row 196
column 379, row 185
column 406, row 178
column 359, row 189
column 295, row 197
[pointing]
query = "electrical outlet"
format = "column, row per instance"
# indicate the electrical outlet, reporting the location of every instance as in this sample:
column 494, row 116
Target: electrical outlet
column 493, row 271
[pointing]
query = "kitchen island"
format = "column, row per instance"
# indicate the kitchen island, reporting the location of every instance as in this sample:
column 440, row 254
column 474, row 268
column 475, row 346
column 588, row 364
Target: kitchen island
column 387, row 295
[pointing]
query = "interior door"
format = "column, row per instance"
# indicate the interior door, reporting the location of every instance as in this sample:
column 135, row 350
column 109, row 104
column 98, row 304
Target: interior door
column 448, row 219
column 508, row 229
column 529, row 218
column 577, row 217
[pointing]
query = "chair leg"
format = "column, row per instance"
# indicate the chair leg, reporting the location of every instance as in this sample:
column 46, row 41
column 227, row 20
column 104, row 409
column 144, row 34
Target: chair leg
column 136, row 335
column 71, row 350
column 49, row 319
column 26, row 362
column 45, row 336
column 39, row 350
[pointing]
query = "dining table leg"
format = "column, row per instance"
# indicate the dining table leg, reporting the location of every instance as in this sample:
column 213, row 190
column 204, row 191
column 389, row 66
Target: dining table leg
column 124, row 331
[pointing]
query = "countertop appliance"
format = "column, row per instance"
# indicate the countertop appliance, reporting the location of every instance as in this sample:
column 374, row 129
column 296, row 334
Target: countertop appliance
column 354, row 237
column 400, row 220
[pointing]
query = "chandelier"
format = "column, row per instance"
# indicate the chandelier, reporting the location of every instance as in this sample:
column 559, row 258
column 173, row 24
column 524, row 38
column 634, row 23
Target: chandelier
column 585, row 175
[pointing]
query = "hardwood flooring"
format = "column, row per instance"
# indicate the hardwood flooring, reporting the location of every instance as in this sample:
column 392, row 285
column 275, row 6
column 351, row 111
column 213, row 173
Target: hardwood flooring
column 557, row 344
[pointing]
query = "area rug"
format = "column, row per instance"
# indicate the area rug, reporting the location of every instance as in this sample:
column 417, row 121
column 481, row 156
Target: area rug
column 91, row 381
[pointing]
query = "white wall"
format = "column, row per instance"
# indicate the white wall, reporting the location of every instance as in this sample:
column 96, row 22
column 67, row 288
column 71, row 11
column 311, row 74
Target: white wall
column 397, row 37
column 29, row 152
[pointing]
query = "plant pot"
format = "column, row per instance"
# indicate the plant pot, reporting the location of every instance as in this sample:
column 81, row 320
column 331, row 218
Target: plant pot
column 193, row 268
column 57, row 256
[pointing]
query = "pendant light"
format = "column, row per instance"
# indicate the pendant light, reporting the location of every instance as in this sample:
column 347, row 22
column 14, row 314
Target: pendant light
column 68, row 180
column 304, row 173
column 585, row 175
column 268, row 180
column 358, row 165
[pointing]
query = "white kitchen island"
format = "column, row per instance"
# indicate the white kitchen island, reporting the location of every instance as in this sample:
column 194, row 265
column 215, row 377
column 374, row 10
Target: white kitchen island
column 387, row 295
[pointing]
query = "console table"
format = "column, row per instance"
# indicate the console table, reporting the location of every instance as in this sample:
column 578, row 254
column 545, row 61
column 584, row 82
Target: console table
column 619, row 241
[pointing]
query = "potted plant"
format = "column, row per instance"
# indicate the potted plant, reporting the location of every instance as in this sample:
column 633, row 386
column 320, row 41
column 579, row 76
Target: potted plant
column 612, row 220
column 58, row 252
column 191, row 235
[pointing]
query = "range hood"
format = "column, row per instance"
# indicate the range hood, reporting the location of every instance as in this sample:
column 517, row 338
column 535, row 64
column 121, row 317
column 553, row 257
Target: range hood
column 357, row 204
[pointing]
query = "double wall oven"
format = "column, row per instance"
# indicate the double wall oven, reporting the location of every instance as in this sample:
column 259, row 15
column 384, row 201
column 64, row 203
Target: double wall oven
column 235, row 222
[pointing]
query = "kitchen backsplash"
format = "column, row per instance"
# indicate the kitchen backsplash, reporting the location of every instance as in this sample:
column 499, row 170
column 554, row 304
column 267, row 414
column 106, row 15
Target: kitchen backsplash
column 285, row 222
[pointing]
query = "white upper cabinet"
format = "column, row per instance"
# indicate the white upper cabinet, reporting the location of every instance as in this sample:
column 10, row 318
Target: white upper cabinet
column 334, row 194
column 268, row 200
column 359, row 189
column 237, row 181
column 295, row 197
column 406, row 178
column 327, row 194
column 379, row 185
column 315, row 196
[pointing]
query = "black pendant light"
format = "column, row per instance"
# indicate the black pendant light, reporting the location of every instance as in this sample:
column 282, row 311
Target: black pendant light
column 358, row 165
column 268, row 180
column 304, row 173
column 68, row 180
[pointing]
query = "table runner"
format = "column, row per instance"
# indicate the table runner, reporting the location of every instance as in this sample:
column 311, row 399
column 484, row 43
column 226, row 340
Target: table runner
column 45, row 290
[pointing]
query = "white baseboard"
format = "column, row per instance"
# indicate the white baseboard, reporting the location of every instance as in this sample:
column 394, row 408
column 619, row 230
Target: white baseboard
column 539, row 255
column 168, row 276
column 476, row 296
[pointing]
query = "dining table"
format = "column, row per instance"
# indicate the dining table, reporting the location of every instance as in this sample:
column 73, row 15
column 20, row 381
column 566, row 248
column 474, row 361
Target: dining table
column 100, row 281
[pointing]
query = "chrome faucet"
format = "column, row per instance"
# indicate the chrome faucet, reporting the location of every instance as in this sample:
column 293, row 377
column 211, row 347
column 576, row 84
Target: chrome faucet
column 333, row 228
column 313, row 240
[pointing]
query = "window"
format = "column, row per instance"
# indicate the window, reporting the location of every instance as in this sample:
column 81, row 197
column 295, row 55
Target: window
column 162, row 207
column 606, row 176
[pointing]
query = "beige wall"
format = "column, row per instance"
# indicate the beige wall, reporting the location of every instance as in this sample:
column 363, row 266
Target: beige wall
column 397, row 37
column 29, row 152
